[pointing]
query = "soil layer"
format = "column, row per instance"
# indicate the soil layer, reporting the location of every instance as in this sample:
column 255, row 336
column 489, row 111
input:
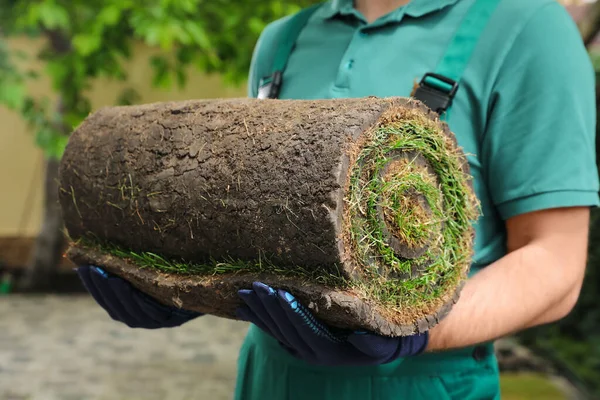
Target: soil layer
column 216, row 295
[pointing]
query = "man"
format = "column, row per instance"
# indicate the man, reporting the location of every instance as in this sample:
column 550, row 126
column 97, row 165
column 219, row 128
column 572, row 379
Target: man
column 524, row 111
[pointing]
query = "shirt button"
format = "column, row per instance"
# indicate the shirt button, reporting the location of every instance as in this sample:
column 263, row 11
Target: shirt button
column 349, row 64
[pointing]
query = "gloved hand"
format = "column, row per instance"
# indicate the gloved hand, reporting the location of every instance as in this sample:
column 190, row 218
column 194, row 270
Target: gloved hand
column 280, row 315
column 126, row 304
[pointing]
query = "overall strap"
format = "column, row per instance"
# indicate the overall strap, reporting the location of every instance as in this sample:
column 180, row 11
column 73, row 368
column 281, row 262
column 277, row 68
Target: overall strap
column 269, row 86
column 438, row 89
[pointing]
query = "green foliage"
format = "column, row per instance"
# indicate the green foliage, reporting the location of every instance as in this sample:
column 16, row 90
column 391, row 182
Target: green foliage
column 93, row 38
column 36, row 112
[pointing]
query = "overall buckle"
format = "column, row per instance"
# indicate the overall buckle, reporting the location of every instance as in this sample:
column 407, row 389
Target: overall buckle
column 268, row 87
column 436, row 92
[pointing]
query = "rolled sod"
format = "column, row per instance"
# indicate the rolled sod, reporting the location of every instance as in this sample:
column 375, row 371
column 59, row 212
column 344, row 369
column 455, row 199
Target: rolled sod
column 361, row 208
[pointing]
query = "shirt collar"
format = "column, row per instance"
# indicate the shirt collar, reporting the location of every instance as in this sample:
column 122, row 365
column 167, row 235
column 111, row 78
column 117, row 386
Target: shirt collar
column 333, row 8
column 415, row 9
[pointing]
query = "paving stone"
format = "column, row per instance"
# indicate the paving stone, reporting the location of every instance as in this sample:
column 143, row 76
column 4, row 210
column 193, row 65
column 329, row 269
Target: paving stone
column 67, row 348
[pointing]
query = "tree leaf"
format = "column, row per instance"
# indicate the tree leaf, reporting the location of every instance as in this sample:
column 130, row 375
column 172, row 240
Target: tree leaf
column 52, row 15
column 110, row 15
column 198, row 34
column 12, row 95
column 87, row 44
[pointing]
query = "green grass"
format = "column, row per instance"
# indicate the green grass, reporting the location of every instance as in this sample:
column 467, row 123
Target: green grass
column 214, row 267
column 529, row 387
column 451, row 203
column 397, row 199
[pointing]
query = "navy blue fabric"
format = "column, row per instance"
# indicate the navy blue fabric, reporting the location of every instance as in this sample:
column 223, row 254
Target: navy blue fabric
column 126, row 304
column 280, row 315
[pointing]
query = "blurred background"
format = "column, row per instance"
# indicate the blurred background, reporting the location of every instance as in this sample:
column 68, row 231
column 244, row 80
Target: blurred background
column 60, row 60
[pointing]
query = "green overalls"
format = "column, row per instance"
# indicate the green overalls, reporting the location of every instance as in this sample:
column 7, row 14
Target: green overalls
column 524, row 112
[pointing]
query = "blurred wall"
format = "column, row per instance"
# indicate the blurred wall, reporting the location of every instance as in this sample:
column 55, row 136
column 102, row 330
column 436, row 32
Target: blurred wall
column 21, row 163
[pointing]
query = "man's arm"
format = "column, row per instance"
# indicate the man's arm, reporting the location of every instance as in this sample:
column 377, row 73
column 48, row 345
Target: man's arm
column 537, row 282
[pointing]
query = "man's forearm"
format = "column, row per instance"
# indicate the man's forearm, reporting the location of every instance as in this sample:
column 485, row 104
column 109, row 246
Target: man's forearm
column 525, row 288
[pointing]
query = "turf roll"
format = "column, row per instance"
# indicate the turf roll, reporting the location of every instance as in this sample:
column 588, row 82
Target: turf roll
column 361, row 208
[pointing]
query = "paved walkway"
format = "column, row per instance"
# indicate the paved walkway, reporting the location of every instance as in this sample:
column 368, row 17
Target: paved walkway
column 67, row 348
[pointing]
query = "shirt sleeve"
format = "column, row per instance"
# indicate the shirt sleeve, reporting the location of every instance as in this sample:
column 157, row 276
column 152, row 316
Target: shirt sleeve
column 539, row 146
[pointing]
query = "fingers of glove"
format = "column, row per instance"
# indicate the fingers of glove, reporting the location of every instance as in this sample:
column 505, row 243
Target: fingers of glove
column 315, row 334
column 287, row 327
column 164, row 315
column 244, row 313
column 114, row 306
column 124, row 303
column 260, row 314
column 413, row 345
column 153, row 314
column 389, row 349
column 179, row 317
column 375, row 346
column 85, row 274
column 184, row 314
column 129, row 298
column 154, row 310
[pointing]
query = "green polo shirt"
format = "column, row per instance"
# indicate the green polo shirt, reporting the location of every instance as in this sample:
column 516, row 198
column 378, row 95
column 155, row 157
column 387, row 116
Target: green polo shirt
column 525, row 111
column 525, row 114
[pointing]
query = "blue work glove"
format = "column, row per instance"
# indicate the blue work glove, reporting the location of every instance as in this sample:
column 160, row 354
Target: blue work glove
column 126, row 304
column 280, row 315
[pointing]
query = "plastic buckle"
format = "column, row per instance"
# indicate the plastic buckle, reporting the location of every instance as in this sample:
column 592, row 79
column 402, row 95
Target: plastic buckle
column 437, row 97
column 269, row 87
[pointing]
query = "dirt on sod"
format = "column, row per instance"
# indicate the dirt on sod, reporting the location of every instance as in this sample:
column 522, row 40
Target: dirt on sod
column 362, row 208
